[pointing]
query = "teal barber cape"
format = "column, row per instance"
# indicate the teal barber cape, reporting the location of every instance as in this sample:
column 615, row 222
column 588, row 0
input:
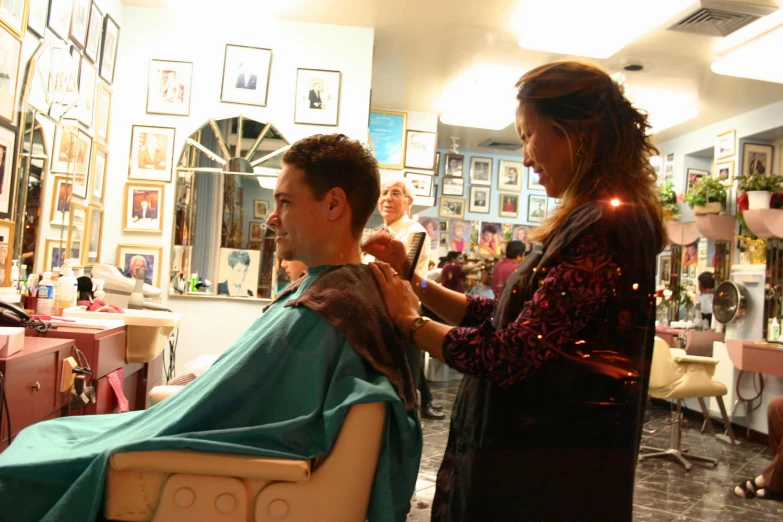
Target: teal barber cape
column 281, row 390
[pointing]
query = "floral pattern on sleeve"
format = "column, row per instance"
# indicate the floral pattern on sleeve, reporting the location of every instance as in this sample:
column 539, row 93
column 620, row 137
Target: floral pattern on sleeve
column 479, row 309
column 572, row 296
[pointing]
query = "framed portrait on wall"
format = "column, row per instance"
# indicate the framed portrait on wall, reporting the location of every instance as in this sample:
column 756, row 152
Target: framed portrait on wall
column 452, row 208
column 246, row 75
column 168, row 90
column 81, row 169
column 37, row 15
column 94, row 34
column 88, row 77
column 93, row 239
column 76, row 230
column 453, row 186
column 144, row 207
column 54, row 254
column 422, row 183
column 62, row 191
column 510, row 176
column 509, row 205
column 724, row 172
column 454, row 166
column 63, row 89
column 479, row 200
column 536, row 208
column 668, row 166
column 238, row 272
column 102, row 113
column 533, row 181
column 256, row 230
column 317, row 97
column 111, row 37
column 260, row 209
column 6, row 250
column 60, row 18
column 481, row 171
column 420, row 150
column 7, row 169
column 459, row 236
column 10, row 52
column 693, row 175
column 726, row 144
column 99, row 169
column 664, row 269
column 64, row 157
column 386, row 138
column 13, row 15
column 80, row 19
column 152, row 153
column 131, row 258
column 757, row 159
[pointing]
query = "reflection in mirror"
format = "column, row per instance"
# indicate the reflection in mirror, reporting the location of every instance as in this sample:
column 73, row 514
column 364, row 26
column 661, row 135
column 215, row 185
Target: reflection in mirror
column 225, row 177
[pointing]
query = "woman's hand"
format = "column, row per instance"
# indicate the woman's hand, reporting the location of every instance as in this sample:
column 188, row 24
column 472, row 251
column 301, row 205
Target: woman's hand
column 401, row 303
column 384, row 247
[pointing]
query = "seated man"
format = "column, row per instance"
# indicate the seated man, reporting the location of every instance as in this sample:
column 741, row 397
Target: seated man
column 284, row 387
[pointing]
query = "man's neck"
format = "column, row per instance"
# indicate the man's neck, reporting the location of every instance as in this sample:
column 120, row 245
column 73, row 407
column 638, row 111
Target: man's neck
column 339, row 254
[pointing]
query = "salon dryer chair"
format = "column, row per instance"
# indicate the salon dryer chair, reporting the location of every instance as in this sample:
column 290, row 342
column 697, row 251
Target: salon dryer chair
column 173, row 486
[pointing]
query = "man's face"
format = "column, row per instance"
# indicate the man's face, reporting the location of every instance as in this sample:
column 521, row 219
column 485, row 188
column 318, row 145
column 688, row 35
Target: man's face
column 137, row 264
column 152, row 141
column 237, row 275
column 144, row 204
column 298, row 217
column 393, row 203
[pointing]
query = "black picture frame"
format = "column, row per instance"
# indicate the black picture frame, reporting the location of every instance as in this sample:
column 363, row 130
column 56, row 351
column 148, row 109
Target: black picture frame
column 107, row 19
column 80, row 40
column 224, row 97
column 94, row 34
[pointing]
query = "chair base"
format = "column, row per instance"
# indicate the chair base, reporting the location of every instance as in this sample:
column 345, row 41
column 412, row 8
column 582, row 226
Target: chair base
column 675, row 455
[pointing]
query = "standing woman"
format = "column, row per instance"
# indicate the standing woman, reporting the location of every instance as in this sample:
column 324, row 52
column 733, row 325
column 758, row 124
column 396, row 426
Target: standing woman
column 547, row 421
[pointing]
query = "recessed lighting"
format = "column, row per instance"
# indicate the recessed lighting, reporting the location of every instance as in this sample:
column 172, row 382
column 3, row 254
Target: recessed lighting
column 755, row 59
column 634, row 67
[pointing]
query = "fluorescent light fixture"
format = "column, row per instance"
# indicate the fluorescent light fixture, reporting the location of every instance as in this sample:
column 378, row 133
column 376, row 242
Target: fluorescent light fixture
column 756, row 60
column 666, row 106
column 593, row 28
column 483, row 97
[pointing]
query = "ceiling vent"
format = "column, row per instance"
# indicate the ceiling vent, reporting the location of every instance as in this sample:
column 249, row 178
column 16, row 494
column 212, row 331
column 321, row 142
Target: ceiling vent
column 721, row 18
column 497, row 144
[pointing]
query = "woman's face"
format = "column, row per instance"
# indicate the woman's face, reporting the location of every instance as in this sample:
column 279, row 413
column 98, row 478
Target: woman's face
column 459, row 230
column 546, row 151
column 486, row 236
column 522, row 234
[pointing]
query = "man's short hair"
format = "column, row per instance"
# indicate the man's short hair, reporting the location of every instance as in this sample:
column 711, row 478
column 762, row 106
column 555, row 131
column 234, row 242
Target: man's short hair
column 707, row 280
column 335, row 160
column 489, row 227
column 452, row 256
column 238, row 256
column 394, row 179
column 515, row 248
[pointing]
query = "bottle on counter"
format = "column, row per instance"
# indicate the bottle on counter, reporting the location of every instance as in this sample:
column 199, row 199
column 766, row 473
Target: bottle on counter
column 46, row 304
column 67, row 288
column 775, row 333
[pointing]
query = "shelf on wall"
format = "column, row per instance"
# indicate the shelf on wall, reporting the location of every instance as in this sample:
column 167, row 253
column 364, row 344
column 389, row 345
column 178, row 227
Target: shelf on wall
column 766, row 223
column 681, row 233
column 716, row 227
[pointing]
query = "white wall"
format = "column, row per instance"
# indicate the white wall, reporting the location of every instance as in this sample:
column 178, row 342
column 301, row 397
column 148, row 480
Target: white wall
column 210, row 325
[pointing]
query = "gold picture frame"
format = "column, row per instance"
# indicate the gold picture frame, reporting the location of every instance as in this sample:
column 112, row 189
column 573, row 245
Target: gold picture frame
column 61, row 200
column 726, row 144
column 102, row 112
column 7, row 229
column 18, row 24
column 137, row 218
column 125, row 250
column 77, row 213
column 92, row 211
column 506, row 198
column 98, row 179
column 49, row 245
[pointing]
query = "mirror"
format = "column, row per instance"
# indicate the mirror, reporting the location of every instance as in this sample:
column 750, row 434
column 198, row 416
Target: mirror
column 221, row 246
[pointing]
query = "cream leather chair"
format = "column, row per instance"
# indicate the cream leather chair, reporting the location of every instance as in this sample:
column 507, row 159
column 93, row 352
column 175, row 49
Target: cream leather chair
column 676, row 375
column 174, row 486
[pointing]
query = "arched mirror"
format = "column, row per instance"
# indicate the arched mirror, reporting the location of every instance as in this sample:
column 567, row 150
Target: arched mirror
column 221, row 246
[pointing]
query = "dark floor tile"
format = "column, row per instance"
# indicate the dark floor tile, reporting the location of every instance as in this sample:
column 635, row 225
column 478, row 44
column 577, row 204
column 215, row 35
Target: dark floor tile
column 716, row 511
column 643, row 514
column 689, row 488
column 667, row 501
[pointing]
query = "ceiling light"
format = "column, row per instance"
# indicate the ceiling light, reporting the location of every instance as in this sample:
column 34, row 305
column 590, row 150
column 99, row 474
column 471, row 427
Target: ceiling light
column 484, row 97
column 596, row 28
column 755, row 60
column 666, row 104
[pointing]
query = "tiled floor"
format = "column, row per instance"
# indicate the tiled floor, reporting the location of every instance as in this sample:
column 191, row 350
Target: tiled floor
column 665, row 492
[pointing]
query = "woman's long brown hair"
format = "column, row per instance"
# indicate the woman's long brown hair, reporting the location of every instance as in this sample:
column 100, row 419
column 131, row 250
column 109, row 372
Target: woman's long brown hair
column 614, row 151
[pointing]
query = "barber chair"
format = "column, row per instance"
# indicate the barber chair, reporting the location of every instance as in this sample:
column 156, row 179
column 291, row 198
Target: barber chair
column 172, row 486
column 676, row 375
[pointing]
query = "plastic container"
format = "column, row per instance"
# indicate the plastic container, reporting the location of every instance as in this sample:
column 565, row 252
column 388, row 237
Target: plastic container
column 15, row 274
column 775, row 330
column 66, row 289
column 46, row 296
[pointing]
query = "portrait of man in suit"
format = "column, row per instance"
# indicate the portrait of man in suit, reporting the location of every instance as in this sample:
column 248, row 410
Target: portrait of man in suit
column 152, row 151
column 245, row 80
column 315, row 95
column 135, row 262
column 144, row 211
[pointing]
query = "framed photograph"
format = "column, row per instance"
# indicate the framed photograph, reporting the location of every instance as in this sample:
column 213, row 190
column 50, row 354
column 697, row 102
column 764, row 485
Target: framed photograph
column 459, row 236
column 102, row 112
column 437, row 163
column 533, row 181
column 133, row 257
column 510, row 176
column 62, row 191
column 64, row 158
column 317, row 97
column 79, row 22
column 152, row 153
column 443, row 226
column 444, row 239
column 99, row 169
column 94, row 33
column 168, row 91
column 726, row 144
column 422, row 183
column 256, row 230
column 665, row 269
column 76, row 230
column 88, row 78
column 692, row 271
column 111, row 37
column 668, row 167
column 454, row 165
column 60, row 12
column 238, row 272
column 724, row 171
column 260, row 209
column 757, row 159
column 432, row 226
column 420, row 150
column 13, row 15
column 453, row 186
column 36, row 16
column 81, row 170
column 479, row 200
column 386, row 138
column 94, row 237
column 246, row 75
column 693, row 175
column 509, row 205
column 6, row 250
column 10, row 51
column 522, row 233
column 7, row 169
column 64, row 80
column 452, row 208
column 536, row 208
column 143, row 207
column 489, row 242
column 54, row 255
column 481, row 171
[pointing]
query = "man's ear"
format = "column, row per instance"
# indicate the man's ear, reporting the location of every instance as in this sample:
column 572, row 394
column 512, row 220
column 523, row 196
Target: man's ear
column 338, row 203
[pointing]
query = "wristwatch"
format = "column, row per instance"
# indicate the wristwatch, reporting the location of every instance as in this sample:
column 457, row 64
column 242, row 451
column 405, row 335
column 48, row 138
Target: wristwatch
column 416, row 324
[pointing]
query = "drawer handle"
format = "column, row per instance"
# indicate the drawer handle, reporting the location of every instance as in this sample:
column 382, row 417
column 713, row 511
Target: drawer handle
column 36, row 386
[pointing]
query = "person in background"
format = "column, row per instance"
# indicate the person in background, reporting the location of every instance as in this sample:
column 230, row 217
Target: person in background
column 454, row 272
column 489, row 243
column 458, row 233
column 515, row 253
column 484, row 287
column 706, row 294
column 294, row 269
column 769, row 485
column 234, row 285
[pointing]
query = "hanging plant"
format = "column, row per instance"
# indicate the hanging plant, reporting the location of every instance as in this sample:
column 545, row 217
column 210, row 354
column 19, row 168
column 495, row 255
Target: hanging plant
column 759, row 182
column 706, row 196
column 671, row 211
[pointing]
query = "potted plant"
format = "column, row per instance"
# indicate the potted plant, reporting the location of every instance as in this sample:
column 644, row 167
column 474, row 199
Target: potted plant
column 759, row 189
column 706, row 196
column 671, row 211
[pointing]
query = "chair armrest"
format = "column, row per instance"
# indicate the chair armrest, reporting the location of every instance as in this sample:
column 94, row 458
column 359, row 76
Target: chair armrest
column 695, row 359
column 677, row 352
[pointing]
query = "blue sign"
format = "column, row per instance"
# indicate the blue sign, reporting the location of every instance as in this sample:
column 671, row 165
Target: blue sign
column 387, row 138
